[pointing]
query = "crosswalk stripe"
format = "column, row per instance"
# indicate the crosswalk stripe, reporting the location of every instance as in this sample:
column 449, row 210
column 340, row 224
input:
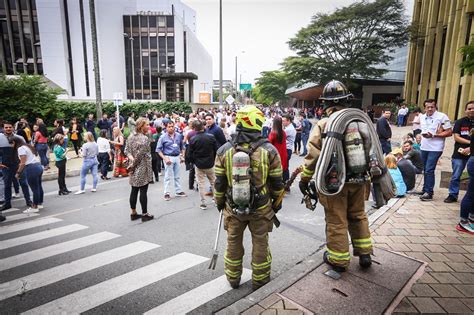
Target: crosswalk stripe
column 20, row 216
column 101, row 293
column 45, row 252
column 49, row 276
column 27, row 225
column 17, row 241
column 198, row 296
column 10, row 210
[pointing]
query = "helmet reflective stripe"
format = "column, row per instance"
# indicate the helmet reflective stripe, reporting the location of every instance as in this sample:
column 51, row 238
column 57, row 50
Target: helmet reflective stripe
column 250, row 117
column 334, row 91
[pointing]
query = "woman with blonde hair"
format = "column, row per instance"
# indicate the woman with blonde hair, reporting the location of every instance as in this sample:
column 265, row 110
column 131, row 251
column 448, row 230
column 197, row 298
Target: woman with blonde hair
column 391, row 162
column 141, row 173
column 90, row 150
column 120, row 167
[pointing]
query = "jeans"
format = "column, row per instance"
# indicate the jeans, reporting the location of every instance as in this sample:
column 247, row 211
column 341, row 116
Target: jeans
column 104, row 163
column 386, row 146
column 34, row 172
column 400, row 120
column 286, row 173
column 61, row 165
column 8, row 177
column 89, row 164
column 143, row 198
column 42, row 149
column 467, row 203
column 172, row 170
column 430, row 159
column 304, row 138
column 458, row 168
column 298, row 142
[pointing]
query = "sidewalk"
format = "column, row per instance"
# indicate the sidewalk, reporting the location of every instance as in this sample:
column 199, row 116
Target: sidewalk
column 73, row 167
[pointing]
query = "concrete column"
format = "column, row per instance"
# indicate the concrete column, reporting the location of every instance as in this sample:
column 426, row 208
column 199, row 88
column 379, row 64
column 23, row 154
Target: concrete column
column 163, row 89
column 186, row 90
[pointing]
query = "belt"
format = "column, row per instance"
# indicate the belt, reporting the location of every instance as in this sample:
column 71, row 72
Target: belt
column 172, row 154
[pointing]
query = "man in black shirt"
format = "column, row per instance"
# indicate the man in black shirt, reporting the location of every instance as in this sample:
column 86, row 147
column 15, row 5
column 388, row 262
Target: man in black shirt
column 461, row 153
column 413, row 155
column 202, row 153
column 384, row 131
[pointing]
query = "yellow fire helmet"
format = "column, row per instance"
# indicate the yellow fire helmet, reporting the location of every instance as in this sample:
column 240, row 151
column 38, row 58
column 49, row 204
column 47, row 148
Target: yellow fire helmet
column 250, row 118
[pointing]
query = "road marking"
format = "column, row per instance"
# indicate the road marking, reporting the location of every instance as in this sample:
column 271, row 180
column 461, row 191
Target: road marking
column 198, row 296
column 10, row 210
column 41, row 235
column 20, row 216
column 61, row 248
column 27, row 225
column 49, row 276
column 106, row 291
column 75, row 188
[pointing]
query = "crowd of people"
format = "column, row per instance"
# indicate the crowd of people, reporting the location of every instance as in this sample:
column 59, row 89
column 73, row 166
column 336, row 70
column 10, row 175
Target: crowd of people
column 177, row 139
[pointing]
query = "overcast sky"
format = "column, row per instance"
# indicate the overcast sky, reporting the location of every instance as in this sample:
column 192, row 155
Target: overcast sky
column 261, row 28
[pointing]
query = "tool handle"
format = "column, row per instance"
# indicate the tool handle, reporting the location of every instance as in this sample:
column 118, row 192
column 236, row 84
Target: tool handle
column 218, row 229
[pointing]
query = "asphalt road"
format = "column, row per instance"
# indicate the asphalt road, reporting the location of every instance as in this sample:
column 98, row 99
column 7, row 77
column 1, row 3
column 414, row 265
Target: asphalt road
column 113, row 265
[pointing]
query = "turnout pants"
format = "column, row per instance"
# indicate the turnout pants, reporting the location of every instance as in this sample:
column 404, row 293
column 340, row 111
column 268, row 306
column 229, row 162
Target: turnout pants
column 344, row 213
column 261, row 257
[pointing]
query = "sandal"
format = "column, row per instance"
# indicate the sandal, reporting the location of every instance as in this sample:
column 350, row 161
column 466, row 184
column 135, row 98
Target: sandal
column 135, row 216
column 147, row 217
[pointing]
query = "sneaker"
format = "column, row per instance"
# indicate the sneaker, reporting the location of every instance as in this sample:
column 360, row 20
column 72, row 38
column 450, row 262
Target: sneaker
column 15, row 195
column 31, row 210
column 147, row 217
column 79, row 192
column 135, row 216
column 181, row 194
column 335, row 267
column 5, row 207
column 426, row 197
column 450, row 199
column 465, row 227
column 167, row 197
column 2, row 218
column 40, row 206
column 203, row 206
column 93, row 189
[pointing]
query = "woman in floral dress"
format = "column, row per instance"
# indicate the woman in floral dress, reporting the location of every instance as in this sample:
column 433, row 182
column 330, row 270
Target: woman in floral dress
column 120, row 167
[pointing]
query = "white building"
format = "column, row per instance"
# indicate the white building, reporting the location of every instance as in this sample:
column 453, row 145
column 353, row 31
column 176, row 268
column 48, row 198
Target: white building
column 148, row 49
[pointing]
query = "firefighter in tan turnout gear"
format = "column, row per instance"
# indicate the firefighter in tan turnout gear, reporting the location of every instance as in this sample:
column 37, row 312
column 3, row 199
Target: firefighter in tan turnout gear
column 248, row 183
column 344, row 208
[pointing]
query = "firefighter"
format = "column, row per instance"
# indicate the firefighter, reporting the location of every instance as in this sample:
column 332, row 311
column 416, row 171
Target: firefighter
column 248, row 183
column 344, row 211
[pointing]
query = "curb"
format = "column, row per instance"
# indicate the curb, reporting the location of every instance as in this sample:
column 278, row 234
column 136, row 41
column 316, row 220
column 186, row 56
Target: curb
column 54, row 175
column 304, row 267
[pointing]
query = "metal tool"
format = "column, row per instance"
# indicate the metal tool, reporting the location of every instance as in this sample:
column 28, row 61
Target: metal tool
column 213, row 263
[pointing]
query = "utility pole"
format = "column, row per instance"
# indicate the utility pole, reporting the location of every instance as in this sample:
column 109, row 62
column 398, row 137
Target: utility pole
column 95, row 53
column 221, row 96
column 236, row 89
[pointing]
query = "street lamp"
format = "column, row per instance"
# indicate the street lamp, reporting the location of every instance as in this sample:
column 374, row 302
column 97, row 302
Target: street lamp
column 132, row 72
column 220, row 55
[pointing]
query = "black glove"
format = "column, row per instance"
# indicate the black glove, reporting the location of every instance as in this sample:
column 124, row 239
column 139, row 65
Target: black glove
column 304, row 187
column 220, row 207
column 276, row 208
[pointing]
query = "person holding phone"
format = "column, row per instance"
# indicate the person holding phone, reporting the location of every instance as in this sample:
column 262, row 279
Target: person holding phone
column 435, row 128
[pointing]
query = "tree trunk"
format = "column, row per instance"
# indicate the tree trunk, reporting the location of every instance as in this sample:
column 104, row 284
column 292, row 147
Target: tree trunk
column 95, row 53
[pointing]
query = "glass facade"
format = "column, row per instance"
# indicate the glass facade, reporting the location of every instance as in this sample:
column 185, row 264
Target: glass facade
column 149, row 51
column 20, row 50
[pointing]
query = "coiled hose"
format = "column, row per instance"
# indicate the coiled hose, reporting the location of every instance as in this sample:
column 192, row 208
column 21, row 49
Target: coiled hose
column 337, row 124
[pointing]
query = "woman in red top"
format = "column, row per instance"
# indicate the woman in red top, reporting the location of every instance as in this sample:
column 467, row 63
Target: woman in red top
column 277, row 137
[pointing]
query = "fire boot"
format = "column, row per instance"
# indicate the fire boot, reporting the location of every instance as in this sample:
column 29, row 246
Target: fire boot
column 335, row 267
column 365, row 261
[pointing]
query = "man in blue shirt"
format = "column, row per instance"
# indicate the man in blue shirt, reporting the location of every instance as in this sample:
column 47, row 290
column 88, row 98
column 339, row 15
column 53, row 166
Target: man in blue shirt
column 305, row 130
column 215, row 130
column 171, row 149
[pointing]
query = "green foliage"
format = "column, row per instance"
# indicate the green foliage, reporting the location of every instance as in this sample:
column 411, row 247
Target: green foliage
column 468, row 57
column 271, row 87
column 350, row 42
column 26, row 96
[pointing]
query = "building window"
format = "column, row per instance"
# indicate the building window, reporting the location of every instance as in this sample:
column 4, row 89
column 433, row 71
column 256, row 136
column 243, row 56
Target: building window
column 148, row 51
column 19, row 36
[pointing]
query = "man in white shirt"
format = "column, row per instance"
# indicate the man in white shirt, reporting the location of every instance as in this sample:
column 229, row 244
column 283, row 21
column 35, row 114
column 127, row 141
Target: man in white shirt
column 290, row 142
column 402, row 112
column 435, row 128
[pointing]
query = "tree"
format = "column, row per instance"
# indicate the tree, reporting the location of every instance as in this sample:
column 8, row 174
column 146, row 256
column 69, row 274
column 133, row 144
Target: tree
column 468, row 57
column 350, row 42
column 27, row 96
column 271, row 87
